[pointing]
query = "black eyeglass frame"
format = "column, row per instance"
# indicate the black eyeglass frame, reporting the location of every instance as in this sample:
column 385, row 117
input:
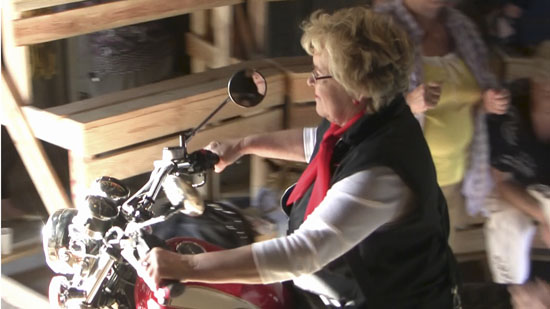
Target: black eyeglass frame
column 316, row 78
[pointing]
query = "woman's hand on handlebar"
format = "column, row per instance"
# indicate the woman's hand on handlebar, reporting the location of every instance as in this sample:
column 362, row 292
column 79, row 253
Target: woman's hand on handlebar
column 161, row 264
column 229, row 151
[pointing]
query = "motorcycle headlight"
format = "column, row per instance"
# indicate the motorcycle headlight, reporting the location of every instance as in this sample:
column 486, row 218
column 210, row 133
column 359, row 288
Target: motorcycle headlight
column 101, row 212
column 55, row 240
column 110, row 188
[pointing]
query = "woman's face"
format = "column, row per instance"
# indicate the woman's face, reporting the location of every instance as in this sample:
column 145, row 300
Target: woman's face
column 331, row 99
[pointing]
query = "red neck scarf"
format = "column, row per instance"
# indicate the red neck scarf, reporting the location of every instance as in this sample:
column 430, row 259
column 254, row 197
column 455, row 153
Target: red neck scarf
column 318, row 170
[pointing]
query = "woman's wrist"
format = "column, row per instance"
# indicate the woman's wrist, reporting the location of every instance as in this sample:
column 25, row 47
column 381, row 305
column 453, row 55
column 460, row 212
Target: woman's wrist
column 189, row 267
column 243, row 146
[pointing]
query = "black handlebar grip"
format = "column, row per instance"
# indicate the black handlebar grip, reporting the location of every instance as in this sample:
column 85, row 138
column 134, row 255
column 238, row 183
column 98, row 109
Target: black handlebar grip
column 203, row 160
column 153, row 241
column 169, row 289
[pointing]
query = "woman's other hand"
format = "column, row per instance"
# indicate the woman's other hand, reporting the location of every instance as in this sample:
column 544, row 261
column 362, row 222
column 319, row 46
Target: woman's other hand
column 160, row 264
column 496, row 101
column 424, row 97
column 229, row 151
column 532, row 295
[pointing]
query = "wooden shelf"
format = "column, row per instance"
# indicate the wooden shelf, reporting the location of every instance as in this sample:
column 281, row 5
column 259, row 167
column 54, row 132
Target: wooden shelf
column 64, row 24
column 20, row 251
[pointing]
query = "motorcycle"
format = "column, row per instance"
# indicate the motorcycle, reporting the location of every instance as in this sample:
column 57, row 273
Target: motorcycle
column 95, row 249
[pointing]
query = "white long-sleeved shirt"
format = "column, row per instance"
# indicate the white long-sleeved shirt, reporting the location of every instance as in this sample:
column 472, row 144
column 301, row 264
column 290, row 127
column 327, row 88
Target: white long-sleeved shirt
column 353, row 208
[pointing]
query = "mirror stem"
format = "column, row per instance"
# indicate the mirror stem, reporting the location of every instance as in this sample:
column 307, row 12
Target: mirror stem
column 188, row 136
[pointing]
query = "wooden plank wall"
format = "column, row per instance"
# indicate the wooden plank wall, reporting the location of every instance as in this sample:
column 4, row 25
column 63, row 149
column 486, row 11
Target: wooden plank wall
column 210, row 40
column 103, row 134
column 19, row 63
column 224, row 35
column 59, row 25
column 32, row 154
column 99, row 128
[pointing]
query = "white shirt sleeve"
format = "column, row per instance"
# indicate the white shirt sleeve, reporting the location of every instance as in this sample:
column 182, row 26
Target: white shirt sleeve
column 352, row 209
column 310, row 138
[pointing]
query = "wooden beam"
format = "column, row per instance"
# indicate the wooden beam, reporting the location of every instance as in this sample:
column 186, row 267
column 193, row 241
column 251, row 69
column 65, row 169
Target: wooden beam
column 20, row 296
column 302, row 115
column 15, row 59
column 109, row 15
column 298, row 90
column 297, row 71
column 27, row 5
column 85, row 170
column 257, row 16
column 52, row 128
column 34, row 158
column 222, row 25
column 198, row 24
column 206, row 52
column 126, row 118
column 242, row 25
column 105, row 100
column 146, row 118
column 23, row 251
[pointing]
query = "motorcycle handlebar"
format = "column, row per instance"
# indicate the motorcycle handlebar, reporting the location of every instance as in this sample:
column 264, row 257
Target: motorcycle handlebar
column 203, row 160
column 169, row 289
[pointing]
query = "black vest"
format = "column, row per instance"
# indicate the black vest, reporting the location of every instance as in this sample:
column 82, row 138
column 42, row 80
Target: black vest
column 406, row 264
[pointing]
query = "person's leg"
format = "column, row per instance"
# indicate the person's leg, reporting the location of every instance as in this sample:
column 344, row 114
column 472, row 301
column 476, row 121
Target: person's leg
column 508, row 237
column 455, row 206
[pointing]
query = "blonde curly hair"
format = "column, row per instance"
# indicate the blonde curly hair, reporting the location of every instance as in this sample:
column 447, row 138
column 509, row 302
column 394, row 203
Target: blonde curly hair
column 369, row 54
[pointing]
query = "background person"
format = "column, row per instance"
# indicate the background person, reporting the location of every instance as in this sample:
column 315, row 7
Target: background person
column 451, row 89
column 520, row 159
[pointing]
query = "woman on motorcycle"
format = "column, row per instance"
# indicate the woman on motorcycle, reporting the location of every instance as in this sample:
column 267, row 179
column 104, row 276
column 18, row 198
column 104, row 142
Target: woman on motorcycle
column 368, row 224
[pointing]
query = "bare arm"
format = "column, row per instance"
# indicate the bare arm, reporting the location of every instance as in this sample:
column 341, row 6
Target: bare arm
column 226, row 266
column 286, row 145
column 517, row 195
column 532, row 295
column 348, row 214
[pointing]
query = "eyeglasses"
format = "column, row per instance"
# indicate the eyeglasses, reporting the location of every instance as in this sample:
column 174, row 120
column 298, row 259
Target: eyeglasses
column 315, row 78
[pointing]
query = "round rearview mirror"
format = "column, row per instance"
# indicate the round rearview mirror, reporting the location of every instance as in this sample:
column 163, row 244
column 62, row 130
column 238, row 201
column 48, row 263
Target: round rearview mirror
column 247, row 88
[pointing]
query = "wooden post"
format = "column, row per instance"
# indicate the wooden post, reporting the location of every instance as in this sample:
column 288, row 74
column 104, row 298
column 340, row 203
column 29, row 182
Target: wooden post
column 15, row 59
column 114, row 14
column 258, row 175
column 222, row 24
column 257, row 16
column 199, row 27
column 32, row 154
column 246, row 36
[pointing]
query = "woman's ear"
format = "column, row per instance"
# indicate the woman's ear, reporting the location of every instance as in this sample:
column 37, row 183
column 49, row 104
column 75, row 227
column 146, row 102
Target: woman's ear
column 362, row 100
column 366, row 102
